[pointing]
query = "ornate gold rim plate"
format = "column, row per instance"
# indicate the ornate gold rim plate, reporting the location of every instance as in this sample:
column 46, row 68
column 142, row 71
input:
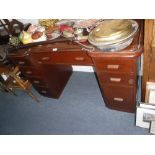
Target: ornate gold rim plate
column 113, row 32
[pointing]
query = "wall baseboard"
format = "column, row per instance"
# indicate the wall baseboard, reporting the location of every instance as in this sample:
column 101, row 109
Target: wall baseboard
column 83, row 68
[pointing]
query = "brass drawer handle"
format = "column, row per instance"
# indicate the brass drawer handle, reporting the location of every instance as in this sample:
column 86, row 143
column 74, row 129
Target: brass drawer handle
column 131, row 81
column 79, row 58
column 115, row 79
column 113, row 66
column 118, row 99
column 28, row 72
column 40, row 45
column 45, row 58
column 36, row 81
column 54, row 49
column 39, row 62
column 21, row 62
column 43, row 91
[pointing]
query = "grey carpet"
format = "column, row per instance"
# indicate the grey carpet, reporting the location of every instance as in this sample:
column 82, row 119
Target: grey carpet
column 79, row 110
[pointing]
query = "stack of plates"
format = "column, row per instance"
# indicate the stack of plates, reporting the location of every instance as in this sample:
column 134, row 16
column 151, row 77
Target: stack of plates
column 113, row 35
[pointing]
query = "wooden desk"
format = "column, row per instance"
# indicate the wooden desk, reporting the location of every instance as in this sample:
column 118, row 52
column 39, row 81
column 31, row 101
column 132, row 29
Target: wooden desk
column 48, row 67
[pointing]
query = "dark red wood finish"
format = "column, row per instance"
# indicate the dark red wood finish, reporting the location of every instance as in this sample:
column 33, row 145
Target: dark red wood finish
column 48, row 67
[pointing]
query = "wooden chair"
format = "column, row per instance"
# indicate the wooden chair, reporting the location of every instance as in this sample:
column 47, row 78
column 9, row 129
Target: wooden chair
column 11, row 80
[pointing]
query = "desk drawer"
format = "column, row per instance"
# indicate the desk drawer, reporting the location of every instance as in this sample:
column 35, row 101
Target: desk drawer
column 20, row 60
column 72, row 58
column 116, row 79
column 123, row 66
column 44, row 91
column 37, row 81
column 30, row 71
column 120, row 98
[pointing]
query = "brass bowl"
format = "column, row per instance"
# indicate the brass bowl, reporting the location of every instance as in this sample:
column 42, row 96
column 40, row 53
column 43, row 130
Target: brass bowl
column 117, row 46
column 111, row 32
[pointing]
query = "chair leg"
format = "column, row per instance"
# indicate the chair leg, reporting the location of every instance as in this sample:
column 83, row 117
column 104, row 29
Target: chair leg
column 12, row 92
column 7, row 89
column 32, row 96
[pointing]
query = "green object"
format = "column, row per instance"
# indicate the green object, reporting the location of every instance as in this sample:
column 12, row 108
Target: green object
column 21, row 36
column 14, row 41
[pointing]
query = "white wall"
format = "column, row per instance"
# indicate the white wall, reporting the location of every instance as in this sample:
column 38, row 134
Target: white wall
column 75, row 68
column 33, row 21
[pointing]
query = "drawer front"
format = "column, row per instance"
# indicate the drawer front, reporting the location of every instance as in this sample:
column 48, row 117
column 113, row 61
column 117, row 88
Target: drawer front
column 30, row 71
column 72, row 58
column 41, row 57
column 20, row 61
column 75, row 58
column 116, row 79
column 37, row 81
column 44, row 91
column 123, row 66
column 120, row 98
column 40, row 49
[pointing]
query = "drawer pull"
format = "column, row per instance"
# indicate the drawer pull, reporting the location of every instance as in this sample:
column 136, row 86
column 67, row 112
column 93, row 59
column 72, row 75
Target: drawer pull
column 131, row 81
column 44, row 91
column 45, row 58
column 39, row 62
column 79, row 58
column 36, row 82
column 21, row 62
column 118, row 99
column 28, row 72
column 54, row 49
column 113, row 66
column 115, row 79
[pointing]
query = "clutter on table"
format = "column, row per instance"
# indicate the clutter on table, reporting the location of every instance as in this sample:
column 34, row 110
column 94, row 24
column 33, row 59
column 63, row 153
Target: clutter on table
column 107, row 35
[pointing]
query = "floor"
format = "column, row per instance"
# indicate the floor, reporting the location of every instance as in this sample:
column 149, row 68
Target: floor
column 79, row 110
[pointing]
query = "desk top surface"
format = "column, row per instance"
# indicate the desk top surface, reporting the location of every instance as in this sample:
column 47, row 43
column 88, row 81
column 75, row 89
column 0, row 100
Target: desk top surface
column 69, row 45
